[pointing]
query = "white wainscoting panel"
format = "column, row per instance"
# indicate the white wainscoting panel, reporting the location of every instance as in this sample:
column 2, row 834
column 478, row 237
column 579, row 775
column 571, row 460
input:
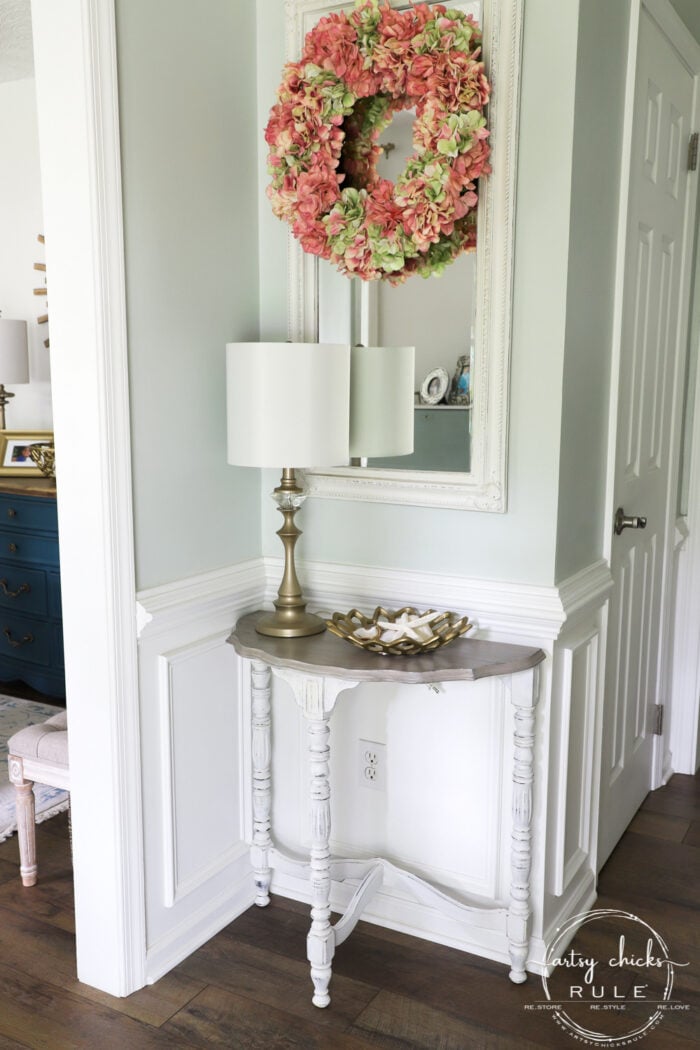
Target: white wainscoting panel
column 201, row 797
column 577, row 688
column 194, row 775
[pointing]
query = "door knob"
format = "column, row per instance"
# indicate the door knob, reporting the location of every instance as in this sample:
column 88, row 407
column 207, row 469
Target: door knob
column 625, row 521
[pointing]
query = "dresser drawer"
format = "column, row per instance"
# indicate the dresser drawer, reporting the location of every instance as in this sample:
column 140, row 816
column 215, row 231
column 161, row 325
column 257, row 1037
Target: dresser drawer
column 23, row 589
column 20, row 512
column 53, row 583
column 25, row 639
column 39, row 550
column 31, row 635
column 57, row 637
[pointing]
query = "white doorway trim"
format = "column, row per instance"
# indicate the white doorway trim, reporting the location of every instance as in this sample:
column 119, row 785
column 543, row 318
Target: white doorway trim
column 76, row 80
column 675, row 30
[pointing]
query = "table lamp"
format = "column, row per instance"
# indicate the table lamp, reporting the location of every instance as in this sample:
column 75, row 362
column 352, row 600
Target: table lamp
column 14, row 360
column 288, row 403
column 382, row 382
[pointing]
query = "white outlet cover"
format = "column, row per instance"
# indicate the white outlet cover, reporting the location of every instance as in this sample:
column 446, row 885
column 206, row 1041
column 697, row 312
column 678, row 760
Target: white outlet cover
column 371, row 764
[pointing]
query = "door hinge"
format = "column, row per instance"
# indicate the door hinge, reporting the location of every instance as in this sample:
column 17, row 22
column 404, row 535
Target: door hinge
column 693, row 151
column 659, row 720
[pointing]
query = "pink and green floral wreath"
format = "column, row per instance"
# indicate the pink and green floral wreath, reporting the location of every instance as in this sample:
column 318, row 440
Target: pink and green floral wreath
column 355, row 72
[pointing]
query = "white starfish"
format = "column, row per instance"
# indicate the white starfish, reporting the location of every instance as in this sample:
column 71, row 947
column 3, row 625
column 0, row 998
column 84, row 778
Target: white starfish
column 414, row 627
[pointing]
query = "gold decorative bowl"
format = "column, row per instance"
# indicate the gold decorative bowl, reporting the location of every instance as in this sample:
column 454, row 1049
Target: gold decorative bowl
column 45, row 458
column 399, row 632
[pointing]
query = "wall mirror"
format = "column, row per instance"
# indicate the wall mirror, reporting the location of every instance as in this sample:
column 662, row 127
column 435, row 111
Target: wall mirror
column 460, row 457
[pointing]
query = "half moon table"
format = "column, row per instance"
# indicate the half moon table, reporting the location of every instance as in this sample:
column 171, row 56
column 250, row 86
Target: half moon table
column 320, row 668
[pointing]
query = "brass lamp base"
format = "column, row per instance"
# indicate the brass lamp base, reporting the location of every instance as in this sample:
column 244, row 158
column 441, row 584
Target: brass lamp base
column 290, row 623
column 290, row 619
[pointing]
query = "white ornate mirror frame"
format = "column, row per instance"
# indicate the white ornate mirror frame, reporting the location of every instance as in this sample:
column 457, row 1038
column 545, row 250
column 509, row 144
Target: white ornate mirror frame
column 484, row 487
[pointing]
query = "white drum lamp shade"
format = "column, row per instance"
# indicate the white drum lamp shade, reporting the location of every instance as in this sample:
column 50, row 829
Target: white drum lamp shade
column 14, row 355
column 382, row 383
column 288, row 404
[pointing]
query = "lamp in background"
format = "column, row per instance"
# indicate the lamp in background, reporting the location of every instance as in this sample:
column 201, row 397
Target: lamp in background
column 382, row 382
column 287, row 407
column 14, row 360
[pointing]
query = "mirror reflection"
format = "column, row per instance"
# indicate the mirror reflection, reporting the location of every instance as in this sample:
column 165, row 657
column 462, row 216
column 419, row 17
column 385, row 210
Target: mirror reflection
column 436, row 315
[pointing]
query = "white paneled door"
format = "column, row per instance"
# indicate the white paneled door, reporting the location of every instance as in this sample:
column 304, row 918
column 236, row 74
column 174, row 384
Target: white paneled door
column 655, row 305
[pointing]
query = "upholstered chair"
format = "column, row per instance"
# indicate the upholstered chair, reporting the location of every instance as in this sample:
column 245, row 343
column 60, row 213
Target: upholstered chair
column 36, row 754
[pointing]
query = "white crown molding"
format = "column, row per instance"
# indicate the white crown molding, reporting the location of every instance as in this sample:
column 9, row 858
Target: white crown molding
column 197, row 928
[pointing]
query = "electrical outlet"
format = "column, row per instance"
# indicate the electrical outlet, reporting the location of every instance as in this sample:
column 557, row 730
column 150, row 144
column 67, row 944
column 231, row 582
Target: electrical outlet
column 371, row 764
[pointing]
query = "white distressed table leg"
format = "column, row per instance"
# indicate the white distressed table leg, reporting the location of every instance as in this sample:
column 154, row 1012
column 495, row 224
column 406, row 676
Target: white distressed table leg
column 524, row 697
column 316, row 696
column 321, row 939
column 262, row 841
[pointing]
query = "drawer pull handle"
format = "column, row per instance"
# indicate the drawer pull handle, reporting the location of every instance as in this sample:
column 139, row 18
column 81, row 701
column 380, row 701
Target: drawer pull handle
column 15, row 644
column 11, row 512
column 23, row 588
column 12, row 548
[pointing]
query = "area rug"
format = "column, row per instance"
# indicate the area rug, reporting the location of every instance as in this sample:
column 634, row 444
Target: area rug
column 15, row 714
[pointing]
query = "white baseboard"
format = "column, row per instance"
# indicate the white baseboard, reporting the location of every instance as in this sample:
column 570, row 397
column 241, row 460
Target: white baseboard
column 580, row 898
column 417, row 920
column 202, row 925
column 408, row 916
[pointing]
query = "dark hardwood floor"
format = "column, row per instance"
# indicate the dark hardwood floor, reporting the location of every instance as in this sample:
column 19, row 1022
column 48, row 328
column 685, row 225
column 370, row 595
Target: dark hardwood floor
column 248, row 988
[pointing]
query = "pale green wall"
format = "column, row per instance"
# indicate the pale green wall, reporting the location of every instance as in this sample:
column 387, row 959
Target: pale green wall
column 521, row 544
column 189, row 143
column 600, row 87
column 689, row 10
column 273, row 239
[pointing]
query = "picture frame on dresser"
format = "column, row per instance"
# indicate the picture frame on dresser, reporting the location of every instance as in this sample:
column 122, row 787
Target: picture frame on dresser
column 15, row 445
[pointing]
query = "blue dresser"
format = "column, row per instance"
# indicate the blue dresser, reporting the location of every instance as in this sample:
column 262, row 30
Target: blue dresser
column 31, row 637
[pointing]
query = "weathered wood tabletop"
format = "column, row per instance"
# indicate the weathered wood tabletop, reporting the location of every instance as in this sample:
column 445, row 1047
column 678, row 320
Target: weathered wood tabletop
column 465, row 659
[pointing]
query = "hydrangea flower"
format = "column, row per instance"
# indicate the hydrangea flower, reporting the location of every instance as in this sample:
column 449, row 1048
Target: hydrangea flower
column 355, row 72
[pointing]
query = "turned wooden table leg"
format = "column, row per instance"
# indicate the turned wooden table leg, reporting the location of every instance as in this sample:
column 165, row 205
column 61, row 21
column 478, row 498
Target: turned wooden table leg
column 26, row 828
column 262, row 841
column 316, row 697
column 321, row 939
column 524, row 698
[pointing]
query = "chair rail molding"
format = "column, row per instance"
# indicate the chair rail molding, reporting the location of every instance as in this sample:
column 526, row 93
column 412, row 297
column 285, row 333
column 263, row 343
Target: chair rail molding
column 237, row 588
column 498, row 607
